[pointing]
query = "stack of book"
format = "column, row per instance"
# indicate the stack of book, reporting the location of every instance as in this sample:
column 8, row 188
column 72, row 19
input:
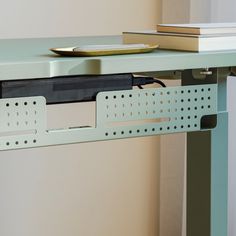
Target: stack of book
column 188, row 37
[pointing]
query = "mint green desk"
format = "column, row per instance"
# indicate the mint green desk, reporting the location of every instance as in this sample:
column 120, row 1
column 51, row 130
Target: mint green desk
column 198, row 107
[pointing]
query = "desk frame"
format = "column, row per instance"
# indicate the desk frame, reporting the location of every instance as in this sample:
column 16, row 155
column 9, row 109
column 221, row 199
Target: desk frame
column 207, row 150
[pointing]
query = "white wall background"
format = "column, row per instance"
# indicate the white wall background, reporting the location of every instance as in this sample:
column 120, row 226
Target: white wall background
column 94, row 189
column 49, row 18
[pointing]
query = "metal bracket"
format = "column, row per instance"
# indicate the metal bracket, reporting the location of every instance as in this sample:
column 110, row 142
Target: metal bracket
column 120, row 114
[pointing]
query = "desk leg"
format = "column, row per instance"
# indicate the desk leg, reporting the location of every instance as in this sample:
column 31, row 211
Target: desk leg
column 207, row 173
column 207, row 178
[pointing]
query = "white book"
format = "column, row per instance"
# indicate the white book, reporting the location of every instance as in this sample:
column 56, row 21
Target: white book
column 185, row 42
column 199, row 29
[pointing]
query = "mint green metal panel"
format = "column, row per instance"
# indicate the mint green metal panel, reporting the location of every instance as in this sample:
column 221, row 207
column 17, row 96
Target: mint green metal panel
column 31, row 58
column 120, row 114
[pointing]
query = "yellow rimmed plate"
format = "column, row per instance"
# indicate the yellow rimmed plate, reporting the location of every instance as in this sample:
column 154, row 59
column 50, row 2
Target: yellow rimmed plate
column 104, row 50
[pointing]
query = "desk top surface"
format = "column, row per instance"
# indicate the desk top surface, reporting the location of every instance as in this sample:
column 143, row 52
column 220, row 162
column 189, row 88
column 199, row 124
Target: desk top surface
column 31, row 58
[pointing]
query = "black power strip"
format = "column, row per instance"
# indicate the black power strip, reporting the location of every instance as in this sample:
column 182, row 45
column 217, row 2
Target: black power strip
column 66, row 89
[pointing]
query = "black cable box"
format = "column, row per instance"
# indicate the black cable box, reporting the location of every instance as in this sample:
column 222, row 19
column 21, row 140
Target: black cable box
column 66, row 89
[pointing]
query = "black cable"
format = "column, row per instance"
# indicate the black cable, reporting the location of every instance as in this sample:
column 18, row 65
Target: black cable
column 139, row 81
column 159, row 82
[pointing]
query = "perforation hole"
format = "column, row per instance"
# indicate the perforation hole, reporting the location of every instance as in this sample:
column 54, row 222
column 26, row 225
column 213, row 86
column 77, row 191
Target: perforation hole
column 209, row 89
column 25, row 103
column 114, row 96
column 182, row 126
column 130, row 131
column 114, row 133
column 25, row 142
column 202, row 89
column 34, row 141
column 122, row 96
column 106, row 97
column 202, row 98
column 195, row 99
column 189, row 91
column 209, row 106
column 189, row 126
column 209, row 98
column 122, row 132
column 130, row 95
column 7, row 143
column 161, row 128
column 145, row 130
column 195, row 125
column 16, row 142
column 16, row 104
column 138, row 130
column 34, row 102
column 7, row 104
column 202, row 107
column 106, row 134
column 153, row 129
